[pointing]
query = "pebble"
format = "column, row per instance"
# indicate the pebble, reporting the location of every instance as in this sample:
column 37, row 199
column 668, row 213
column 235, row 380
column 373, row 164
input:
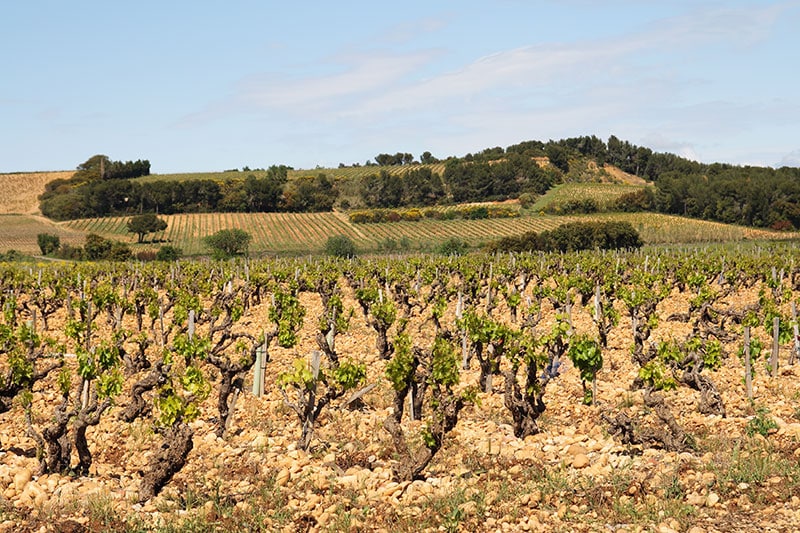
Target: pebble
column 712, row 499
column 283, row 477
column 576, row 449
column 21, row 479
column 581, row 460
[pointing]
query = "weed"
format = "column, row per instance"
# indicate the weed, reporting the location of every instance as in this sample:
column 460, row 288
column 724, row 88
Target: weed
column 102, row 514
column 761, row 423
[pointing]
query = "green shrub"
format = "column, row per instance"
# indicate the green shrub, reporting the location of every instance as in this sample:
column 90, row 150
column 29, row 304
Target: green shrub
column 96, row 247
column 762, row 423
column 340, row 246
column 526, row 200
column 72, row 253
column 573, row 237
column 453, row 246
column 168, row 253
column 13, row 256
column 48, row 243
column 228, row 242
column 641, row 200
column 119, row 251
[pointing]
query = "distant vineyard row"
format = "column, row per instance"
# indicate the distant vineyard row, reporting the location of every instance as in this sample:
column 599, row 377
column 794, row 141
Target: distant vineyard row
column 307, row 233
column 343, row 173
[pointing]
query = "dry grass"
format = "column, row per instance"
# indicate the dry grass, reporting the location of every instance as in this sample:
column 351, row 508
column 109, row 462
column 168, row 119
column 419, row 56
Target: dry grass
column 19, row 193
column 620, row 176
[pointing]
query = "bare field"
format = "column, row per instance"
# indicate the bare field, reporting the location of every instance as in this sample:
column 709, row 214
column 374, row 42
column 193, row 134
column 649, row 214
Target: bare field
column 19, row 193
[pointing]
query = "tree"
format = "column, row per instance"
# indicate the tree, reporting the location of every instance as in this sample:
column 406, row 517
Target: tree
column 558, row 156
column 48, row 243
column 119, row 251
column 144, row 224
column 228, row 242
column 427, row 158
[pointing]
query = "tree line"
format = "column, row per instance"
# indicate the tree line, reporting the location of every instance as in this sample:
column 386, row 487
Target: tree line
column 66, row 199
column 755, row 196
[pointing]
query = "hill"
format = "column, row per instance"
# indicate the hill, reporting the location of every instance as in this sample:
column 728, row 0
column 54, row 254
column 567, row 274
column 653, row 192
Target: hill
column 19, row 192
column 306, row 233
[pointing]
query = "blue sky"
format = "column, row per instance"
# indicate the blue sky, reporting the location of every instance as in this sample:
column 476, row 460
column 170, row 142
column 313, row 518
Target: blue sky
column 211, row 85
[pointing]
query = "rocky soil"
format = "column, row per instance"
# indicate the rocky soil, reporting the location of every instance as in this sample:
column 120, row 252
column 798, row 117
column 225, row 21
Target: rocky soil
column 573, row 476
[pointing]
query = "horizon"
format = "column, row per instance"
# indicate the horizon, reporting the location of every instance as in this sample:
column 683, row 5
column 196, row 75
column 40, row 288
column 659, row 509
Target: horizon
column 195, row 87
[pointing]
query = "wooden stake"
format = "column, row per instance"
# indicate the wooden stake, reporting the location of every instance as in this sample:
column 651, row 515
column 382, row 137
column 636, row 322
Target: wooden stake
column 748, row 371
column 773, row 360
column 796, row 331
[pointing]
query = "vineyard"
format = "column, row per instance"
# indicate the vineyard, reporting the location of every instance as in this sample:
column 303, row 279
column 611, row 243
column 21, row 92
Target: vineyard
column 306, row 233
column 18, row 232
column 603, row 194
column 343, row 173
column 641, row 391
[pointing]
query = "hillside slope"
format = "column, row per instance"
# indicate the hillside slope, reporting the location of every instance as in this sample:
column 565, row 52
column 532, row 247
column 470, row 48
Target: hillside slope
column 19, row 192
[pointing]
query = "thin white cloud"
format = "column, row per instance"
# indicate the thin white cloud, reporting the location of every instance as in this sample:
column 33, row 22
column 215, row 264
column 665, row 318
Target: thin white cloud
column 632, row 85
column 360, row 74
column 383, row 84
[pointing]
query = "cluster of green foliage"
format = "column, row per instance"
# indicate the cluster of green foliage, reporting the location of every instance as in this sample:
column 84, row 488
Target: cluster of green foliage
column 632, row 202
column 100, row 167
column 417, row 187
column 11, row 256
column 750, row 196
column 453, row 246
column 762, row 423
column 585, row 354
column 143, row 224
column 227, row 243
column 97, row 248
column 468, row 212
column 574, row 236
column 499, row 180
column 340, row 246
column 82, row 198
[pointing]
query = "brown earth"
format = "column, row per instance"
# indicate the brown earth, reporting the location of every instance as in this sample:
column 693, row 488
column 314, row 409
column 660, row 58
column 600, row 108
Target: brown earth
column 573, row 476
column 620, row 176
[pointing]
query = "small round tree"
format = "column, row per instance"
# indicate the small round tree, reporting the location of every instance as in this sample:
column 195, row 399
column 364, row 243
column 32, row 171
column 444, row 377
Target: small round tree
column 141, row 225
column 228, row 242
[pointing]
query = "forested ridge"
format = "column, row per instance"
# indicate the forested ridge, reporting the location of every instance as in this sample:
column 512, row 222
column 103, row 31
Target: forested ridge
column 753, row 196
